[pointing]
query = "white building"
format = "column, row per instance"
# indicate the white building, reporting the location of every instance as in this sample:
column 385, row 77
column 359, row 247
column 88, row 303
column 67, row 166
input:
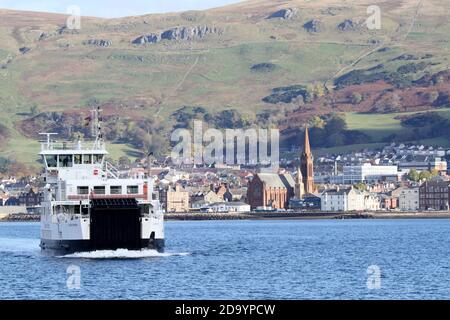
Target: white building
column 342, row 200
column 227, row 207
column 408, row 199
column 372, row 202
column 369, row 173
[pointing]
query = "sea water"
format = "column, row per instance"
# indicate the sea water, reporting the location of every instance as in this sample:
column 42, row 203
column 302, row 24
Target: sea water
column 292, row 259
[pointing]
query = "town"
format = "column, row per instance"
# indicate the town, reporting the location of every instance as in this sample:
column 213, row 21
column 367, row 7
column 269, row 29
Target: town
column 397, row 178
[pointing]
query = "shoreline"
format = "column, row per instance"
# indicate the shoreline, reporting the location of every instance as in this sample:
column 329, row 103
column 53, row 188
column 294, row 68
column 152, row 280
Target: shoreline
column 271, row 216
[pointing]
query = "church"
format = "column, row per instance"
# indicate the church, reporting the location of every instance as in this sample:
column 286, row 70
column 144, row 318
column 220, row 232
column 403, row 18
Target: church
column 304, row 180
column 277, row 190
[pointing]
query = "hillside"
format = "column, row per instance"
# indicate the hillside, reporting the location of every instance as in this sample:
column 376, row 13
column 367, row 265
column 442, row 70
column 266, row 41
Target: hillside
column 229, row 58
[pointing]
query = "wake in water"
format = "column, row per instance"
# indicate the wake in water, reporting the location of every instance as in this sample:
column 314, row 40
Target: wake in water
column 121, row 254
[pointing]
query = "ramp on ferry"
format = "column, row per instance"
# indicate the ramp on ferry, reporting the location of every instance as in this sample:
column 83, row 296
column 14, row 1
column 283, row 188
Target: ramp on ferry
column 115, row 224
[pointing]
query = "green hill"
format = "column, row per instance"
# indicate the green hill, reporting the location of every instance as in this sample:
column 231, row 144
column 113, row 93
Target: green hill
column 149, row 67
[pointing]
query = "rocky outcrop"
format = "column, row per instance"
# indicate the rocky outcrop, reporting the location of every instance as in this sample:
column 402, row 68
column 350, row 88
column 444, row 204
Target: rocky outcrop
column 263, row 67
column 150, row 38
column 347, row 25
column 313, row 26
column 178, row 34
column 97, row 42
column 24, row 50
column 189, row 33
column 43, row 36
column 286, row 14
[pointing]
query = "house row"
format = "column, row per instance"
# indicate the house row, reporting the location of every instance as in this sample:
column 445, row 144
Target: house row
column 352, row 199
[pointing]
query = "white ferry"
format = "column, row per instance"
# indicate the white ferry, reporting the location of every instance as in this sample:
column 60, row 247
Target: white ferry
column 88, row 205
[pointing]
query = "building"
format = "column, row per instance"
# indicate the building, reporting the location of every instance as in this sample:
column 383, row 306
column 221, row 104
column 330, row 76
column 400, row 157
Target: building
column 311, row 202
column 223, row 192
column 31, row 198
column 388, row 202
column 270, row 190
column 3, row 197
column 226, row 207
column 307, row 165
column 423, row 163
column 433, row 195
column 342, row 200
column 369, row 173
column 175, row 199
column 371, row 202
column 299, row 189
column 408, row 199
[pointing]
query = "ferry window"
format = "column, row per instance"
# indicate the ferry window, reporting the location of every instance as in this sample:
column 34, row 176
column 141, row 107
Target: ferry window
column 98, row 158
column 132, row 189
column 65, row 161
column 83, row 190
column 77, row 159
column 99, row 190
column 87, row 159
column 116, row 190
column 52, row 161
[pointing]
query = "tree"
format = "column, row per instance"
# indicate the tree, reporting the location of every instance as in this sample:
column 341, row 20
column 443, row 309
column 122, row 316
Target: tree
column 335, row 125
column 356, row 98
column 316, row 122
column 360, row 186
column 434, row 173
column 425, row 175
column 34, row 110
column 413, row 175
column 319, row 90
column 432, row 97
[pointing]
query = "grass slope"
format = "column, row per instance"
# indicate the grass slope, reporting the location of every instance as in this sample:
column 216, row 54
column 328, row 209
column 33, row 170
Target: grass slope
column 61, row 73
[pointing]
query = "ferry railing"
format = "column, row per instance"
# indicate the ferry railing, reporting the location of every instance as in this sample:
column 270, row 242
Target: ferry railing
column 111, row 170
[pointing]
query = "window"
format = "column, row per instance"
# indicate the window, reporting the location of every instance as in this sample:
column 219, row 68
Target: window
column 52, row 161
column 132, row 190
column 87, row 159
column 77, row 159
column 99, row 190
column 65, row 161
column 98, row 158
column 83, row 190
column 116, row 190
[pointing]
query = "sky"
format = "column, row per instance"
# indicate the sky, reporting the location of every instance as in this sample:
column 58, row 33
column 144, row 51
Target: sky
column 113, row 8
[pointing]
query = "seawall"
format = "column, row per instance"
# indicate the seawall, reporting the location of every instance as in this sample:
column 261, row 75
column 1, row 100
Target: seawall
column 271, row 216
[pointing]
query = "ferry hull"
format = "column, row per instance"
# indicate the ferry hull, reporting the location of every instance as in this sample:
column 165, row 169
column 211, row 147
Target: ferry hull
column 64, row 247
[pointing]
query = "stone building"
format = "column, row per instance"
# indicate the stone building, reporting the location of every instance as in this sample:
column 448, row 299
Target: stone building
column 408, row 199
column 270, row 190
column 434, row 195
column 175, row 199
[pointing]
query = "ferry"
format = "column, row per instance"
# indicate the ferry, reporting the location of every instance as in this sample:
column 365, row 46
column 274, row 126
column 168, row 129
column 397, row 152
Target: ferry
column 89, row 205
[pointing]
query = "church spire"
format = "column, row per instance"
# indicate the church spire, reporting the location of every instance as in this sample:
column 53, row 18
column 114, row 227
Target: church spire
column 306, row 165
column 306, row 146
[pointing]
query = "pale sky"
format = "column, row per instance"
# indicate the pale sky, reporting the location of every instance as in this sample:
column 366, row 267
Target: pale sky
column 113, row 8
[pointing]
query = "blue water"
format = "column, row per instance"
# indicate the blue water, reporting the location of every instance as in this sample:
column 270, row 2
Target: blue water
column 325, row 259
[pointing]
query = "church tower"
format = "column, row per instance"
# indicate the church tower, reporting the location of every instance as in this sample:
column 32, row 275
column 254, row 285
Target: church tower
column 306, row 165
column 299, row 191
